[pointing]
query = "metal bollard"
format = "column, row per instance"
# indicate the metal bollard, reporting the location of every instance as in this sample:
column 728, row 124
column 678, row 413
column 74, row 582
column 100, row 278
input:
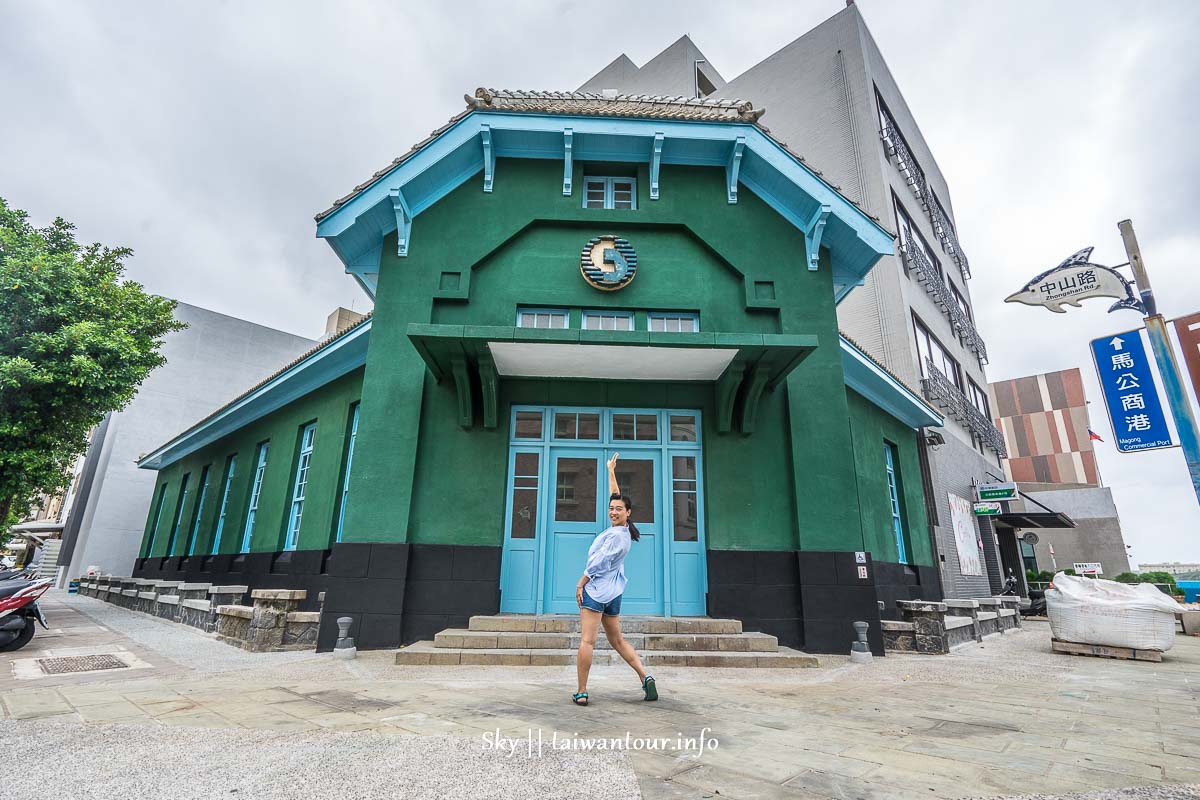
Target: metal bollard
column 344, row 649
column 860, row 651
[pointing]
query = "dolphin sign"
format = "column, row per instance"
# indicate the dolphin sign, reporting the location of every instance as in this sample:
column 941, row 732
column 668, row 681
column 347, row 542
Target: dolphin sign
column 1077, row 279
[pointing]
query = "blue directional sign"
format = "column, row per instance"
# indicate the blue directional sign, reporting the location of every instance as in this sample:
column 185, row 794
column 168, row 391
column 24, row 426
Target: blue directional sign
column 1134, row 407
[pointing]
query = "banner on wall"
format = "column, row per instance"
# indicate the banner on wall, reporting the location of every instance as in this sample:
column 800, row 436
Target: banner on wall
column 966, row 542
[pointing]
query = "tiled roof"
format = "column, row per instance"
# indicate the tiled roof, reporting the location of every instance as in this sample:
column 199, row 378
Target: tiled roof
column 601, row 105
column 307, row 354
column 643, row 106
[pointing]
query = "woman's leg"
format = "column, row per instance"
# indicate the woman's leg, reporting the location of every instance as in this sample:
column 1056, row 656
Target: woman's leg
column 589, row 624
column 612, row 629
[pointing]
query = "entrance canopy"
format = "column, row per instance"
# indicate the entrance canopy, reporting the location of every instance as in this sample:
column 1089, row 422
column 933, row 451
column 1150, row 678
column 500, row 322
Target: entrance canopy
column 728, row 361
column 1035, row 519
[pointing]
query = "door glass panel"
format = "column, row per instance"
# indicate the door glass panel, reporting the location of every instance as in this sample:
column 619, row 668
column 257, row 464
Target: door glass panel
column 635, row 427
column 576, row 426
column 685, row 517
column 525, row 496
column 683, row 498
column 636, row 479
column 589, row 426
column 575, row 490
column 564, row 426
column 529, row 425
column 683, row 429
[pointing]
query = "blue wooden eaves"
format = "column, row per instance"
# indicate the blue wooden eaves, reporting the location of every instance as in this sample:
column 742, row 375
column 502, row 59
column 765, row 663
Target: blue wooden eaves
column 489, row 156
column 812, row 235
column 750, row 157
column 567, row 162
column 655, row 164
column 868, row 379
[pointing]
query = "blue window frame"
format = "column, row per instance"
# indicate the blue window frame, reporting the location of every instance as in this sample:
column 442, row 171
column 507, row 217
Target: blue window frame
column 307, row 436
column 346, row 479
column 230, row 469
column 543, row 318
column 674, row 322
column 255, row 493
column 612, row 192
column 891, row 458
column 183, row 495
column 594, row 320
column 195, row 526
column 162, row 495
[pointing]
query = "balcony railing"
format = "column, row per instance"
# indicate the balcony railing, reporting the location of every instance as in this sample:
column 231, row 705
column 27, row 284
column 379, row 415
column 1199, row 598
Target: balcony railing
column 915, row 177
column 919, row 264
column 942, row 392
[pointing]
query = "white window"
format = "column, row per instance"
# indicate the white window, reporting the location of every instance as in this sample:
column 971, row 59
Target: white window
column 346, row 480
column 607, row 321
column 612, row 193
column 930, row 349
column 911, row 237
column 675, row 322
column 195, row 528
column 303, row 460
column 255, row 493
column 230, row 469
column 541, row 318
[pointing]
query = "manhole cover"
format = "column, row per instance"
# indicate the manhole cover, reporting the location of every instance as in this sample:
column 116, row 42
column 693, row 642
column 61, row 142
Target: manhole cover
column 58, row 666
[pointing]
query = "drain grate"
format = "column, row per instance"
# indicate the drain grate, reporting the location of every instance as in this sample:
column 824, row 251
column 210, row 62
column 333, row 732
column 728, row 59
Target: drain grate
column 60, row 666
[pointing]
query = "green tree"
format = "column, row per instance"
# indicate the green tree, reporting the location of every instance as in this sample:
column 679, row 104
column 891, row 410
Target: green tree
column 75, row 342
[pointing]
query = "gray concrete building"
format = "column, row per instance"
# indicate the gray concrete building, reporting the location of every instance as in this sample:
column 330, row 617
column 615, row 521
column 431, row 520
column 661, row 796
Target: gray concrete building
column 830, row 96
column 1095, row 539
column 210, row 362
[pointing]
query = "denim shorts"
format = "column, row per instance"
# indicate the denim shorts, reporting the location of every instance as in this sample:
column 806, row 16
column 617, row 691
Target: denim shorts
column 610, row 609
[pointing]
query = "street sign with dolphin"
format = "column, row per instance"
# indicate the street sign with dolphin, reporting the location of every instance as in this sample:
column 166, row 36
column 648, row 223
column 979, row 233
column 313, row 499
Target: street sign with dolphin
column 1073, row 280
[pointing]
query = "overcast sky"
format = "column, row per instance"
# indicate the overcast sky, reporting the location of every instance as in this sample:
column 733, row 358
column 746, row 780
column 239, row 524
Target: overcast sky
column 206, row 135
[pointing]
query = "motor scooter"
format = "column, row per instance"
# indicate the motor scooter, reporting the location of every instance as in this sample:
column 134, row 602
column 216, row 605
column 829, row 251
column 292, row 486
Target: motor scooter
column 19, row 611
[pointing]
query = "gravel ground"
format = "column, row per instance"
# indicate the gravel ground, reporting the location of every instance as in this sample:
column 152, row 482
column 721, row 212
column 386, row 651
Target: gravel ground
column 134, row 761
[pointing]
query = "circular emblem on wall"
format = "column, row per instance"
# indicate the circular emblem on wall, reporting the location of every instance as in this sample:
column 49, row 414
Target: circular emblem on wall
column 608, row 263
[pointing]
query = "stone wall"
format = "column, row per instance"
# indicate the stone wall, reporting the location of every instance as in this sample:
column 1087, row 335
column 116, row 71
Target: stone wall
column 937, row 627
column 272, row 622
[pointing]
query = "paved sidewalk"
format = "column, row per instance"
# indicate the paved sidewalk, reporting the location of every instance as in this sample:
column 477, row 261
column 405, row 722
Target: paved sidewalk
column 1003, row 718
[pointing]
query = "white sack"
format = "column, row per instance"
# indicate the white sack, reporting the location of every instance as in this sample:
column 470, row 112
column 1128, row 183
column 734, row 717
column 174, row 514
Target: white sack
column 1096, row 611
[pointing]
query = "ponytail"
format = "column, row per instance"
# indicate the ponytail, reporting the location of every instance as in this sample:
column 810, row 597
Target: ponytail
column 634, row 533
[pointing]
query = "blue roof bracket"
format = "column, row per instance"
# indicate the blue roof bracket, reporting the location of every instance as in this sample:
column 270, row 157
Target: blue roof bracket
column 734, row 166
column 812, row 235
column 568, row 144
column 655, row 163
column 403, row 221
column 489, row 156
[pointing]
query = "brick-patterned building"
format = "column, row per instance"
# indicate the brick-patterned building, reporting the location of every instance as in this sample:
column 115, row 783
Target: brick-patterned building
column 1051, row 456
column 1044, row 420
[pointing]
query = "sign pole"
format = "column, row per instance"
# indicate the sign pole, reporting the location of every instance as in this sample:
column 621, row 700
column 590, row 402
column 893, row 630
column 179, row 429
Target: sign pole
column 1156, row 328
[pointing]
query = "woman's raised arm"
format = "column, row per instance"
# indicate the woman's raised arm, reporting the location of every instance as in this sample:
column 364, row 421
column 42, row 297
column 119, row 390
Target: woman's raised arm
column 613, row 488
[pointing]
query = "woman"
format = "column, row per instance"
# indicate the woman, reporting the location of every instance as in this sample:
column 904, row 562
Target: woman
column 598, row 592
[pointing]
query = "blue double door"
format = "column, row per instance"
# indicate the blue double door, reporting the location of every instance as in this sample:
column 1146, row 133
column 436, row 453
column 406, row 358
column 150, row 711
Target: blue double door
column 558, row 503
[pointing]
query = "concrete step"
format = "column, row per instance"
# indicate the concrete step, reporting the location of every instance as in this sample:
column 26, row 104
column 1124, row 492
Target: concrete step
column 566, row 623
column 674, row 642
column 426, row 653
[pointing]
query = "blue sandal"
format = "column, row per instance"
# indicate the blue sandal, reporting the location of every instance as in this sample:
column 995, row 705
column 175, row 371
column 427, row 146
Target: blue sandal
column 580, row 698
column 649, row 688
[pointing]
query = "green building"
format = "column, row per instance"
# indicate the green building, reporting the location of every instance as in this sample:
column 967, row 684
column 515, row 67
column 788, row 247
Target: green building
column 557, row 277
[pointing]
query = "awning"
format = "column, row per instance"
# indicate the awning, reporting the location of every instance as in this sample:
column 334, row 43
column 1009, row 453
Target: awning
column 1034, row 519
column 740, row 366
